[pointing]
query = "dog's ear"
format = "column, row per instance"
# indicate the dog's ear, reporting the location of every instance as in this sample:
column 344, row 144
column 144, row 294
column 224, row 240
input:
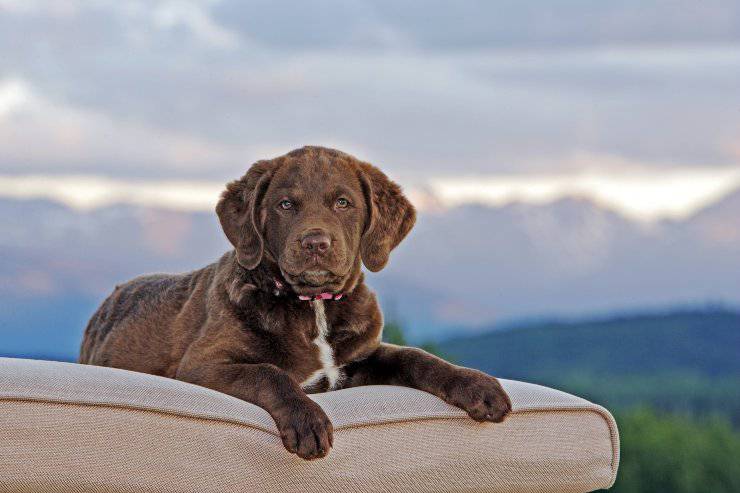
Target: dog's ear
column 390, row 217
column 239, row 209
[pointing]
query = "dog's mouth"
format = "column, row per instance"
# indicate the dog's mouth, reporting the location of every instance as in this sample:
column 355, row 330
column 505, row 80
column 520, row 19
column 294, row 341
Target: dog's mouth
column 314, row 281
column 316, row 278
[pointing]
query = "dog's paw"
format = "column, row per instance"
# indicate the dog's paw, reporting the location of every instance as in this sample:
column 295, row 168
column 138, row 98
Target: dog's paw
column 478, row 394
column 307, row 431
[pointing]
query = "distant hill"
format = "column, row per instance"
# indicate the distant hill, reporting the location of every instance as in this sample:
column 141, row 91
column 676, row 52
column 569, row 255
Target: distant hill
column 687, row 361
column 703, row 342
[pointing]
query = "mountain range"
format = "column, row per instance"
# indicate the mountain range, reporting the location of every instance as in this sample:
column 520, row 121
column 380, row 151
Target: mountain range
column 461, row 269
column 681, row 361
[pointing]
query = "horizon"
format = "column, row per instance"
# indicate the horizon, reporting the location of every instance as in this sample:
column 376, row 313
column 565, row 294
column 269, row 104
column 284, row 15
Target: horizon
column 638, row 195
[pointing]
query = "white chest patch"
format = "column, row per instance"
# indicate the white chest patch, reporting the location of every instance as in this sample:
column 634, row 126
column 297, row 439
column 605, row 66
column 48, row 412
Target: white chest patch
column 326, row 355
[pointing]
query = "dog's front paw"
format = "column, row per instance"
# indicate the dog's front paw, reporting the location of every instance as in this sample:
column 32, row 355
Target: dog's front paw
column 478, row 394
column 306, row 431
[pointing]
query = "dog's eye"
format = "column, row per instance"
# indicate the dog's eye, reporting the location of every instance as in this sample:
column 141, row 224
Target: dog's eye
column 286, row 204
column 342, row 203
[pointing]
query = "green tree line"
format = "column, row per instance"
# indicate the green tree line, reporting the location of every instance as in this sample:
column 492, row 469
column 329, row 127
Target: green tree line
column 666, row 453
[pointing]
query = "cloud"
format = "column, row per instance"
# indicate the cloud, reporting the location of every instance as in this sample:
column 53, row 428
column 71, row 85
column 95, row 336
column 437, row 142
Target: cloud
column 310, row 26
column 40, row 133
column 196, row 18
column 90, row 192
column 478, row 24
column 200, row 89
column 13, row 95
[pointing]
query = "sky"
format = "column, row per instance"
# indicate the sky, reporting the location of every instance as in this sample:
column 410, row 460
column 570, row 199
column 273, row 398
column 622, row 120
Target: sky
column 632, row 104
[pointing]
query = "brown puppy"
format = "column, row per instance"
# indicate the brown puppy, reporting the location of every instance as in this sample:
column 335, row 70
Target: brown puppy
column 286, row 312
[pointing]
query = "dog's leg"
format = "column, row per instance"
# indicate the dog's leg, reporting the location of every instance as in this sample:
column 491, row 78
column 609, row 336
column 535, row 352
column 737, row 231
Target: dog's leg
column 304, row 427
column 480, row 395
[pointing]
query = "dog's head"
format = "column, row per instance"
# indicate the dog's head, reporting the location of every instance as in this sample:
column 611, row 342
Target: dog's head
column 317, row 213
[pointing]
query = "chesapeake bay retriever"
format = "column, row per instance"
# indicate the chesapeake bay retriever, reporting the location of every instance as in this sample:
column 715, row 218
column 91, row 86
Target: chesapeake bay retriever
column 286, row 312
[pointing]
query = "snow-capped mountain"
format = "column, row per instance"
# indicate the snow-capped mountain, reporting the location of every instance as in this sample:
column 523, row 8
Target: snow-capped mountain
column 460, row 267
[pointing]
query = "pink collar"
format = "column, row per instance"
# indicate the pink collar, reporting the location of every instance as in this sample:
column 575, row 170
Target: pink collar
column 323, row 296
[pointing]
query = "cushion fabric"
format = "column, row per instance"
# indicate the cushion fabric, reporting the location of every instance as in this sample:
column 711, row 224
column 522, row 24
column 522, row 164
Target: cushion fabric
column 74, row 428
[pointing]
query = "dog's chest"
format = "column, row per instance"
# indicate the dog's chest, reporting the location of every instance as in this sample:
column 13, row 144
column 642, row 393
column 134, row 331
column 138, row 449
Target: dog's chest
column 328, row 370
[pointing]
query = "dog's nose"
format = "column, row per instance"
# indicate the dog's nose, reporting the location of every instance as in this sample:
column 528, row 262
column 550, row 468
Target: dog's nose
column 316, row 242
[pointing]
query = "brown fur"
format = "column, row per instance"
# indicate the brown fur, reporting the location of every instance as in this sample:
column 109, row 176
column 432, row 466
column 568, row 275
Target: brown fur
column 237, row 325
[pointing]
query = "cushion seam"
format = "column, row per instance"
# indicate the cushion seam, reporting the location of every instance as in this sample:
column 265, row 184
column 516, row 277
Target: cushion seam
column 458, row 415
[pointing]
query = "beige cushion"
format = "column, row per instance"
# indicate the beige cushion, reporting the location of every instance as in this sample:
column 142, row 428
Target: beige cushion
column 76, row 428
